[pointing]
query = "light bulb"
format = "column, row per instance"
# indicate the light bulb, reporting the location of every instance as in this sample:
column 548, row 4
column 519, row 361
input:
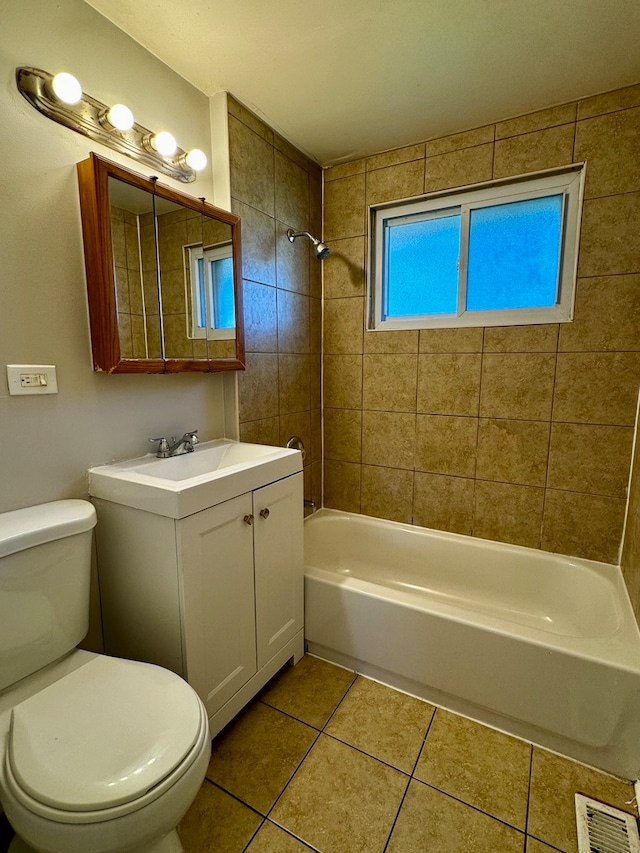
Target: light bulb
column 164, row 143
column 120, row 117
column 66, row 88
column 196, row 159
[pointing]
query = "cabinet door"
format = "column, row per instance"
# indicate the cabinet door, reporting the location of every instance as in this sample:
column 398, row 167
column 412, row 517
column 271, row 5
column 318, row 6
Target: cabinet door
column 216, row 555
column 278, row 511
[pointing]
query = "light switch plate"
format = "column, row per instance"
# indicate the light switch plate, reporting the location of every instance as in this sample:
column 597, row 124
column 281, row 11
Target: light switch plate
column 32, row 379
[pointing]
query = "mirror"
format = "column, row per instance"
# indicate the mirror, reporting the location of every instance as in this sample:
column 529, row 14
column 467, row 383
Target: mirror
column 163, row 275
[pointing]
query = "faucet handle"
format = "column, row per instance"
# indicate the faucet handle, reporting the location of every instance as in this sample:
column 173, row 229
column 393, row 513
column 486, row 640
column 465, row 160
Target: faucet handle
column 163, row 447
column 193, row 435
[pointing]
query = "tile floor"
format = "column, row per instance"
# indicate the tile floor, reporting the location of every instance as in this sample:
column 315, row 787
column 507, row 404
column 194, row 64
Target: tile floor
column 329, row 761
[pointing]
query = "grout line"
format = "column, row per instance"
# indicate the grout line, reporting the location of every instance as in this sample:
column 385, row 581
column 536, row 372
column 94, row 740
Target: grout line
column 538, row 129
column 608, row 275
column 258, row 828
column 474, row 479
column 414, row 467
column 290, row 779
column 551, row 422
column 471, row 806
column 493, row 152
column 362, row 356
column 541, row 486
column 546, row 843
column 307, row 844
column 315, row 740
column 234, row 797
column 611, row 195
column 366, row 754
column 287, row 714
column 395, row 820
column 482, row 417
column 346, row 693
column 526, row 820
column 424, row 739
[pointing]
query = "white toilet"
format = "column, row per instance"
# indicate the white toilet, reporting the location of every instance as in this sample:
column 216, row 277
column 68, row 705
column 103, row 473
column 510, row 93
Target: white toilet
column 97, row 754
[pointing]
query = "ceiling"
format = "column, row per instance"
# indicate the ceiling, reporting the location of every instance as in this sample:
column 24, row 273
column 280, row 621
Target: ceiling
column 347, row 78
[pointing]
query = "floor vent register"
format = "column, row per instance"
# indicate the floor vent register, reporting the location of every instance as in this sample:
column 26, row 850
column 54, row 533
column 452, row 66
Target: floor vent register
column 603, row 829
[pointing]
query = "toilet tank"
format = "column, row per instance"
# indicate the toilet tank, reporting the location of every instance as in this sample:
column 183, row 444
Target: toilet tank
column 45, row 570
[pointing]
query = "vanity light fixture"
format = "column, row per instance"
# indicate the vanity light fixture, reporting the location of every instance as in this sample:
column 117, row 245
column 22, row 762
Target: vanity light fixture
column 196, row 159
column 118, row 117
column 66, row 88
column 61, row 98
column 164, row 143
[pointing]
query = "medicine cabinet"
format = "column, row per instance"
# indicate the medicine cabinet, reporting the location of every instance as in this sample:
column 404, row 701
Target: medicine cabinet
column 164, row 275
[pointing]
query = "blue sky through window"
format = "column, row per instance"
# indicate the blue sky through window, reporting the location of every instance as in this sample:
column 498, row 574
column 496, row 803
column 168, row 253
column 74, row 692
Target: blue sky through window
column 223, row 297
column 492, row 254
column 422, row 266
column 514, row 254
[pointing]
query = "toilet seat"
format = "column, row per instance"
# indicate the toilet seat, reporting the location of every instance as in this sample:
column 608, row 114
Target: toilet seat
column 103, row 741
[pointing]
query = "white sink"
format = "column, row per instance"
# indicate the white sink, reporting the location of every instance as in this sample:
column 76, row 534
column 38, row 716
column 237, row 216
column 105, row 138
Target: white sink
column 216, row 471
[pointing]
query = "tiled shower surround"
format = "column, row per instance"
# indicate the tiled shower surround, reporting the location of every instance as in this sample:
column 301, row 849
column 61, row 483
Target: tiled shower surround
column 520, row 434
column 274, row 187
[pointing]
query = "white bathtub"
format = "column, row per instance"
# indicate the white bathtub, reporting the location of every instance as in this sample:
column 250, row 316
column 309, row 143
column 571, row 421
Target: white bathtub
column 541, row 646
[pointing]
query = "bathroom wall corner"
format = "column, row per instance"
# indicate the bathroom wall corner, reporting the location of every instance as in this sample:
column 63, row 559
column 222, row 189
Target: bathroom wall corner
column 231, row 408
column 219, row 117
column 630, row 548
column 94, row 641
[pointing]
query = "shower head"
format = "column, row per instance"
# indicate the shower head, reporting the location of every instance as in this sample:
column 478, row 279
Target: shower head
column 321, row 249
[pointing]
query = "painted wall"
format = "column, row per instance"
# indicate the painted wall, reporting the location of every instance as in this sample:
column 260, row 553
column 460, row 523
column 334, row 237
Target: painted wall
column 274, row 187
column 47, row 443
column 519, row 434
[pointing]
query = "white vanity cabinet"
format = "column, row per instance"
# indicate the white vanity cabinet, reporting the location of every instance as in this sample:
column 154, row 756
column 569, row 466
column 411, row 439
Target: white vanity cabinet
column 216, row 596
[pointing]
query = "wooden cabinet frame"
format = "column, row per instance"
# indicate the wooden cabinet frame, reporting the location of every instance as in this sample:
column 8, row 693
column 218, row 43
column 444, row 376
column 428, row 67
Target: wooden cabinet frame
column 93, row 177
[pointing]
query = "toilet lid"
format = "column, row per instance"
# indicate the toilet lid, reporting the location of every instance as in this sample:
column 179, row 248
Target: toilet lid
column 102, row 735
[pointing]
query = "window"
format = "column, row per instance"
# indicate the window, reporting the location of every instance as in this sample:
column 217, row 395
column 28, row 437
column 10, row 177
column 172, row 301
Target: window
column 494, row 254
column 212, row 294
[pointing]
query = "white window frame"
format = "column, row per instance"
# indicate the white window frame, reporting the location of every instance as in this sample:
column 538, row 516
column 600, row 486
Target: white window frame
column 220, row 251
column 569, row 181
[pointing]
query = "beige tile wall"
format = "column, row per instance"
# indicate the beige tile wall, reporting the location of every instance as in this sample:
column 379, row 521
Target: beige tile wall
column 176, row 230
column 521, row 434
column 134, row 252
column 274, row 187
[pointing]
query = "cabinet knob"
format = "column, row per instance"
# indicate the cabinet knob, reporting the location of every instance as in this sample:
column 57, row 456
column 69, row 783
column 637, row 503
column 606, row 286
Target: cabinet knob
column 265, row 512
column 248, row 519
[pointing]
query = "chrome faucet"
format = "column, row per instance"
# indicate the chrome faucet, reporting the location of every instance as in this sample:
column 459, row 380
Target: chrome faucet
column 176, row 448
